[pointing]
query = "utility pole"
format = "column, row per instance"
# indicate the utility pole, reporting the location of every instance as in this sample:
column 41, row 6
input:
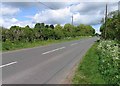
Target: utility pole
column 72, row 19
column 118, row 20
column 118, row 9
column 105, row 21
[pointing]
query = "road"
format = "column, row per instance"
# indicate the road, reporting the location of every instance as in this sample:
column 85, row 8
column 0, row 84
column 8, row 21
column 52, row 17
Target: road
column 43, row 65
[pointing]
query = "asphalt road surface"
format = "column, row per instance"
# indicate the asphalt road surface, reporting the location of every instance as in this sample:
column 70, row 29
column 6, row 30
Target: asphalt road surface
column 43, row 65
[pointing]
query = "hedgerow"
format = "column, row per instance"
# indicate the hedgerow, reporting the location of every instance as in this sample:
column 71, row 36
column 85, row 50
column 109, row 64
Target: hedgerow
column 109, row 61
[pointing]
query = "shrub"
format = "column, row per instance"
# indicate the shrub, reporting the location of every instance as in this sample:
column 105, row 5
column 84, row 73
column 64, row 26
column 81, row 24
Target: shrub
column 109, row 61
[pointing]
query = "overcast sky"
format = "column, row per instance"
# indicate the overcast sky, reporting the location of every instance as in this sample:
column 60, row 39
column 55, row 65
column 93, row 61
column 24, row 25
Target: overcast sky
column 28, row 13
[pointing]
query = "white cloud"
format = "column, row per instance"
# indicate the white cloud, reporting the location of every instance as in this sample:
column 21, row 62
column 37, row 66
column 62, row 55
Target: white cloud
column 87, row 19
column 97, row 28
column 1, row 21
column 7, row 23
column 91, row 13
column 13, row 20
column 8, row 10
column 85, row 13
column 93, row 7
column 53, row 16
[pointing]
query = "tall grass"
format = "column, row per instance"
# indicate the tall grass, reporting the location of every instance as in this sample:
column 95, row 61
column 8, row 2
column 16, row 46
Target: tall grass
column 87, row 71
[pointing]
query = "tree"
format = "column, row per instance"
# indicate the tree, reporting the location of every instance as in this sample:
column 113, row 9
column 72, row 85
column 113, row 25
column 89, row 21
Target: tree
column 15, row 32
column 47, row 33
column 52, row 26
column 58, row 32
column 113, row 26
column 68, row 28
column 27, row 26
column 39, row 25
column 44, row 32
column 46, row 26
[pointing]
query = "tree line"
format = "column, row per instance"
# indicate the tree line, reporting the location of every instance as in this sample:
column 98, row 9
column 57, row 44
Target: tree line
column 45, row 32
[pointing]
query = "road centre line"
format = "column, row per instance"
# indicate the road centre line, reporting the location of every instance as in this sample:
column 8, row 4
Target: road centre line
column 53, row 50
column 8, row 64
column 74, row 44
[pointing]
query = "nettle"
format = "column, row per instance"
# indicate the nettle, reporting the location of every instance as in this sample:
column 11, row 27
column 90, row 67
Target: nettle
column 109, row 61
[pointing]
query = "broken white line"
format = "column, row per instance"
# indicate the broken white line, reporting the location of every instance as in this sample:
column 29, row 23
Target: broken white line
column 53, row 50
column 74, row 44
column 8, row 64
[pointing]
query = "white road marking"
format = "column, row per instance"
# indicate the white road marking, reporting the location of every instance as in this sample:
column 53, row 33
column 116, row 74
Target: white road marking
column 8, row 64
column 74, row 44
column 53, row 50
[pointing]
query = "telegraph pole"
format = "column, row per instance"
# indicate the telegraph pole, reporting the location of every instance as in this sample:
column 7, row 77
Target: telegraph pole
column 72, row 19
column 118, row 9
column 118, row 20
column 105, row 21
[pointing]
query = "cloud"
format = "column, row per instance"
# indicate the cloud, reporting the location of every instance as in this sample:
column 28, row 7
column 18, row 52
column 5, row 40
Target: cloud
column 54, row 5
column 87, row 19
column 89, row 13
column 1, row 21
column 88, row 7
column 8, row 22
column 84, row 13
column 8, row 10
column 39, row 4
column 19, row 4
column 92, row 7
column 53, row 16
column 97, row 28
column 60, row 0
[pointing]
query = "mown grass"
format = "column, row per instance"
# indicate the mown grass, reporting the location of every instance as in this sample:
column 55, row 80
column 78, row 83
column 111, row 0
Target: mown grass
column 8, row 46
column 87, row 71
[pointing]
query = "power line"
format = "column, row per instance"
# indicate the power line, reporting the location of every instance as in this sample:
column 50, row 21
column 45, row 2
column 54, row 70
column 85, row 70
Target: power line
column 46, row 5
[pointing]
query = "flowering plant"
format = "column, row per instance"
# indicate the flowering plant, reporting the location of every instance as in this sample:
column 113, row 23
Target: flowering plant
column 109, row 61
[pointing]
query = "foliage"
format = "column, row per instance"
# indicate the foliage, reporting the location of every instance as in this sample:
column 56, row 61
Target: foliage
column 109, row 51
column 42, row 32
column 39, row 25
column 109, row 61
column 112, row 29
column 6, row 46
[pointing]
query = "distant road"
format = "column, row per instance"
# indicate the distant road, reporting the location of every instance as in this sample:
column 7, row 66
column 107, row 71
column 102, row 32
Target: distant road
column 43, row 65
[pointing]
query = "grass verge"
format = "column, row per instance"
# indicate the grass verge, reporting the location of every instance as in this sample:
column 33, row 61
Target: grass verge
column 8, row 46
column 87, row 71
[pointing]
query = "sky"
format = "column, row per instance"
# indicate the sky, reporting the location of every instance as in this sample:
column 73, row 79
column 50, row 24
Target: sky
column 54, row 12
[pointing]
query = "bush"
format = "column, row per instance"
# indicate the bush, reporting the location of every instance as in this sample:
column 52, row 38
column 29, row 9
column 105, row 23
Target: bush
column 109, row 61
